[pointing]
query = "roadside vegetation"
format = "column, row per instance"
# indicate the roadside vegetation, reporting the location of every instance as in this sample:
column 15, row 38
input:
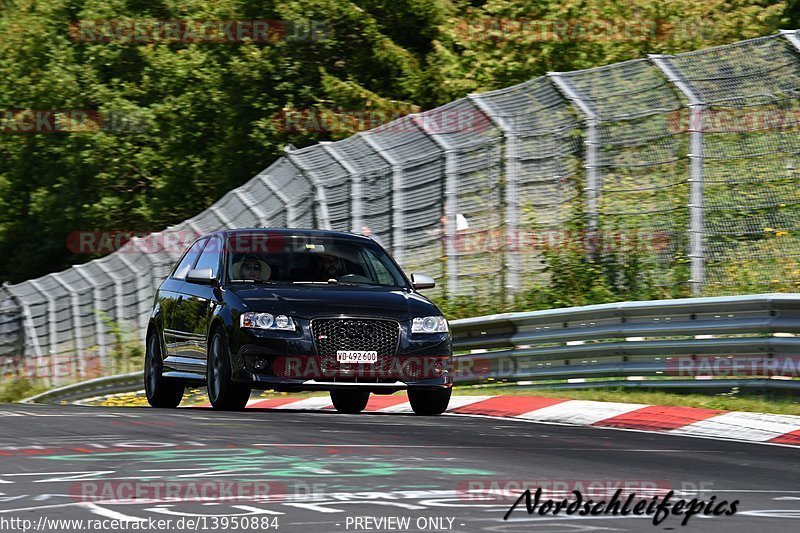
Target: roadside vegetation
column 178, row 124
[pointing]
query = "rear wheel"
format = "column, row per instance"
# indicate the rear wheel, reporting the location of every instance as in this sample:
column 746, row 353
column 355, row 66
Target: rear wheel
column 349, row 401
column 160, row 391
column 224, row 394
column 429, row 402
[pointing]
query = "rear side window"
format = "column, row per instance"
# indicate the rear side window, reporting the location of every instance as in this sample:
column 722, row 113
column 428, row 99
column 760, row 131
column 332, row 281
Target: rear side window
column 188, row 260
column 210, row 258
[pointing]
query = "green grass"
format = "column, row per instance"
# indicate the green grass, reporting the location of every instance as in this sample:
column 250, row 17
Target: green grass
column 731, row 401
column 15, row 390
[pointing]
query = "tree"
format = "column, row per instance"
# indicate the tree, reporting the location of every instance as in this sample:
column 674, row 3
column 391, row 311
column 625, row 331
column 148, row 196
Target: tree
column 504, row 42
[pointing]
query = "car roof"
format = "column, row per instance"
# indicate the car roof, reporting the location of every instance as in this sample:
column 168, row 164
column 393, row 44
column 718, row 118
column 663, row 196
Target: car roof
column 292, row 231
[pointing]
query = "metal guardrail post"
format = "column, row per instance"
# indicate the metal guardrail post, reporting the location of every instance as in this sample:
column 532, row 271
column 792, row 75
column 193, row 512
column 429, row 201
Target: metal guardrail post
column 450, row 205
column 356, row 187
column 511, row 197
column 398, row 201
column 592, row 161
column 696, row 182
column 321, row 211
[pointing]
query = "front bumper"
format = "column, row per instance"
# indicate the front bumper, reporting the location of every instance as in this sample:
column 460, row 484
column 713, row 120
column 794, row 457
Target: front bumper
column 288, row 361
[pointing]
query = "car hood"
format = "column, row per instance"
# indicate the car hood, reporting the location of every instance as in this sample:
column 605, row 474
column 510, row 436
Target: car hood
column 318, row 301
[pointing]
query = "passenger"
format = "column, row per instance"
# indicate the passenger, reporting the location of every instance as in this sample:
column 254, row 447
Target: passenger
column 252, row 268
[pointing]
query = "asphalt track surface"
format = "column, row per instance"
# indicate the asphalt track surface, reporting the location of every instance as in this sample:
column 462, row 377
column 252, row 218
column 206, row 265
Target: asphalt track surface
column 325, row 470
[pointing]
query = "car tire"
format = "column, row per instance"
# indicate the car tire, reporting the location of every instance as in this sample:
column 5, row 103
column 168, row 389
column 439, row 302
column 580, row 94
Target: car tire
column 224, row 394
column 160, row 391
column 349, row 401
column 429, row 402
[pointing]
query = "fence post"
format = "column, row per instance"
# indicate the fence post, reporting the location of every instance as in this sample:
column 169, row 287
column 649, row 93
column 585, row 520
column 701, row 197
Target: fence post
column 452, row 267
column 592, row 161
column 142, row 286
column 251, row 206
column 696, row 182
column 99, row 326
column 51, row 327
column 291, row 210
column 77, row 333
column 324, row 219
column 356, row 187
column 512, row 170
column 398, row 201
column 793, row 37
column 118, row 296
column 20, row 322
column 226, row 222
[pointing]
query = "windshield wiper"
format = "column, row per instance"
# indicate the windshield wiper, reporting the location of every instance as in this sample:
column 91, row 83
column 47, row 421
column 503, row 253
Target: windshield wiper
column 267, row 282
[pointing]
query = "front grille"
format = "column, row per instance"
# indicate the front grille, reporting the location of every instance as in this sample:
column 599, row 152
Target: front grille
column 333, row 334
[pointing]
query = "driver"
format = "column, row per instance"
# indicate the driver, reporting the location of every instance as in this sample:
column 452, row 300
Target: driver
column 330, row 267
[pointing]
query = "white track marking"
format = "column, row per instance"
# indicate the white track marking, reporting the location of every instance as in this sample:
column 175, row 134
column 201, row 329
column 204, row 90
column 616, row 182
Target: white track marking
column 315, row 403
column 461, row 401
column 748, row 426
column 580, row 412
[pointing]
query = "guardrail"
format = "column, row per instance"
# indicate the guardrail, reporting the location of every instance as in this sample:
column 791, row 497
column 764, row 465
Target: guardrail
column 748, row 341
column 706, row 344
column 88, row 389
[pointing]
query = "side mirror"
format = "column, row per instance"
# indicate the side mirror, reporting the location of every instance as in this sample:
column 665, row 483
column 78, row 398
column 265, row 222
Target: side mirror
column 201, row 275
column 422, row 281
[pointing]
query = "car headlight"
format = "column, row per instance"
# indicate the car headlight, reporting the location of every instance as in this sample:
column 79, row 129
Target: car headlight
column 429, row 324
column 266, row 321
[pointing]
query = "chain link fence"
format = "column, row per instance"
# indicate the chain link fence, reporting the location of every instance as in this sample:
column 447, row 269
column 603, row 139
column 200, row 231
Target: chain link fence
column 695, row 158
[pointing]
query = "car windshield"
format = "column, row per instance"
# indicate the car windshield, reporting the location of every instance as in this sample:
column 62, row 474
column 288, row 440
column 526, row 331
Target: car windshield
column 309, row 259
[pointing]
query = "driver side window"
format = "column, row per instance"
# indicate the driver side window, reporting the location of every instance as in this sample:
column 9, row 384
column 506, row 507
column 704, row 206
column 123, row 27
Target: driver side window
column 211, row 256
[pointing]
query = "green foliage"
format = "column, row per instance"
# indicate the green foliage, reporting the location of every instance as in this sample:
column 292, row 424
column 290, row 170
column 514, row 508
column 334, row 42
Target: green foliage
column 202, row 118
column 205, row 115
column 14, row 390
column 502, row 42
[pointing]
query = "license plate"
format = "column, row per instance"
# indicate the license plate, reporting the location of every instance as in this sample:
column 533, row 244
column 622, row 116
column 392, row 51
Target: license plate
column 356, row 356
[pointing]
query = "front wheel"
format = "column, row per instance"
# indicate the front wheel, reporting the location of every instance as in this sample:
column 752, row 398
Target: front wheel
column 160, row 391
column 224, row 394
column 349, row 401
column 429, row 402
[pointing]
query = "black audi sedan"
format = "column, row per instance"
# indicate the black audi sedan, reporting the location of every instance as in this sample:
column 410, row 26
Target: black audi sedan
column 296, row 310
